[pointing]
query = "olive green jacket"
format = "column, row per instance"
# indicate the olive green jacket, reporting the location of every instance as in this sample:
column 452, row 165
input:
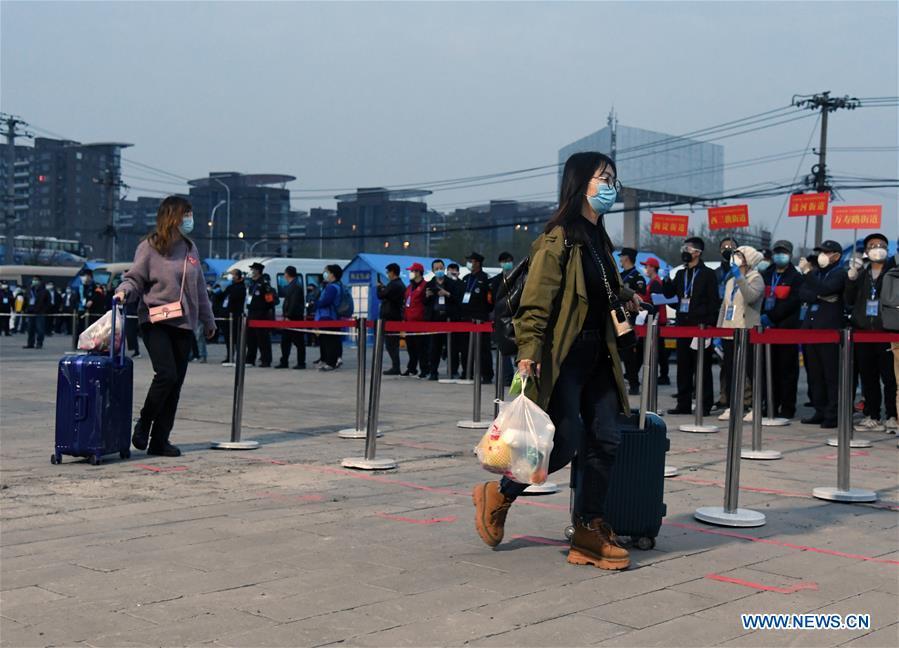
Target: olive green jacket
column 547, row 322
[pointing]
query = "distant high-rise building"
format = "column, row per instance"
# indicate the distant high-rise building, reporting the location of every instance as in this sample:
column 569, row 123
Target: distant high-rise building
column 260, row 211
column 68, row 190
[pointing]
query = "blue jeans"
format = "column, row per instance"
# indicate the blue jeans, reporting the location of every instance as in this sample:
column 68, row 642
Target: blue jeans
column 584, row 408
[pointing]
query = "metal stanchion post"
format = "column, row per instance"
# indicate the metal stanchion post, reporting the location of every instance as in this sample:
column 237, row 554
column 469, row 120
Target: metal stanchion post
column 449, row 362
column 476, row 423
column 651, row 382
column 697, row 425
column 847, row 358
column 757, row 372
column 469, row 365
column 74, row 330
column 843, row 492
column 771, row 420
column 500, row 383
column 730, row 514
column 369, row 462
column 359, row 431
column 237, row 412
column 229, row 351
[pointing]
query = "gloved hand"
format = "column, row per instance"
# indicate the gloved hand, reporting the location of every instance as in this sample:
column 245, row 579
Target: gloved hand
column 735, row 271
column 856, row 263
column 804, row 265
column 766, row 322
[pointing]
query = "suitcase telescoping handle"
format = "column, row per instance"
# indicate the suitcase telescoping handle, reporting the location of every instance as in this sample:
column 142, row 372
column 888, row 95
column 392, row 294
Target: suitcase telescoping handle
column 116, row 308
column 648, row 369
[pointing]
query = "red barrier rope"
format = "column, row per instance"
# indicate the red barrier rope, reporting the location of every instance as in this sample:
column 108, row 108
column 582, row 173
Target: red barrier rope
column 437, row 327
column 795, row 336
column 306, row 324
column 695, row 332
column 874, row 336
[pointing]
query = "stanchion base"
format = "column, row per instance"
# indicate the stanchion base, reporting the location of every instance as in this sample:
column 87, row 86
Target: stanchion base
column 352, row 433
column 361, row 463
column 234, row 445
column 766, row 455
column 777, row 421
column 474, row 425
column 739, row 518
column 671, row 471
column 546, row 488
column 449, row 381
column 462, row 381
column 698, row 429
column 853, row 443
column 851, row 495
column 228, row 364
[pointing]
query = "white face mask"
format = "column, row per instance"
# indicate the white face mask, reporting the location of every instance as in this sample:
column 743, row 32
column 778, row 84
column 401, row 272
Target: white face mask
column 877, row 255
column 823, row 260
column 469, row 266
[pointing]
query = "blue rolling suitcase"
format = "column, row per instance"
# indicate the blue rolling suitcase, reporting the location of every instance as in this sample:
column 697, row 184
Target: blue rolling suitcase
column 93, row 405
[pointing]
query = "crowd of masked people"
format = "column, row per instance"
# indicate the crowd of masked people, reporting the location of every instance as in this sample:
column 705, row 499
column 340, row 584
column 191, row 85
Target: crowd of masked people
column 773, row 289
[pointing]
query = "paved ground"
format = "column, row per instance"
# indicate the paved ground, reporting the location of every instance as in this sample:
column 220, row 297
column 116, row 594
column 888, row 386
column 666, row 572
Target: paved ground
column 282, row 547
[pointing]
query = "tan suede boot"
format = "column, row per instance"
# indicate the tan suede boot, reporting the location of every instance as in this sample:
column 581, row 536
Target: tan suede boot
column 596, row 544
column 491, row 508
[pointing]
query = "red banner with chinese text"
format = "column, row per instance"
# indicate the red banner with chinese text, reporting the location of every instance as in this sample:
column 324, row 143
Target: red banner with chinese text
column 670, row 225
column 856, row 217
column 728, row 217
column 809, row 204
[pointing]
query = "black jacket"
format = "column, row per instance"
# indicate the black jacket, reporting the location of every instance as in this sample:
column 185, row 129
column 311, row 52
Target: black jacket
column 37, row 301
column 822, row 296
column 263, row 300
column 235, row 296
column 857, row 293
column 392, row 295
column 634, row 280
column 480, row 301
column 450, row 310
column 6, row 301
column 785, row 311
column 703, row 297
column 294, row 301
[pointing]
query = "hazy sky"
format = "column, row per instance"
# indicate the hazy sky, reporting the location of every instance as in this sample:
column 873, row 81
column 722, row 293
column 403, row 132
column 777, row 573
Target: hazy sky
column 363, row 94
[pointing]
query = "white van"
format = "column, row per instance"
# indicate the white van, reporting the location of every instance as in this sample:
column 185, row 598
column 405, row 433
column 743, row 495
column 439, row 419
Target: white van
column 309, row 271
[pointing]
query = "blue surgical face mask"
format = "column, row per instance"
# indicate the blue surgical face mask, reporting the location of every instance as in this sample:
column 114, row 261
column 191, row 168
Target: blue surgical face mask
column 507, row 266
column 763, row 265
column 781, row 260
column 440, row 274
column 187, row 225
column 604, row 199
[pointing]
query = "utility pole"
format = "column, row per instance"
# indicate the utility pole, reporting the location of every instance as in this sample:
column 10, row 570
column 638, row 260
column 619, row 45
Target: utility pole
column 826, row 104
column 112, row 184
column 12, row 124
column 612, row 122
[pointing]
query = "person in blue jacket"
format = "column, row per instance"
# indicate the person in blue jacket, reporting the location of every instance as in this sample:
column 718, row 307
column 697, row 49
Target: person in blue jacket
column 325, row 310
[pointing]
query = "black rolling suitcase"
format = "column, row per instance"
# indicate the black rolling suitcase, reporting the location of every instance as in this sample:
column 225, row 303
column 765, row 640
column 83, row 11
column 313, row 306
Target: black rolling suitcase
column 634, row 502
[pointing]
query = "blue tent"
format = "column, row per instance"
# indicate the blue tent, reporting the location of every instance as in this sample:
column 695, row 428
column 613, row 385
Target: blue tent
column 664, row 268
column 361, row 276
column 213, row 268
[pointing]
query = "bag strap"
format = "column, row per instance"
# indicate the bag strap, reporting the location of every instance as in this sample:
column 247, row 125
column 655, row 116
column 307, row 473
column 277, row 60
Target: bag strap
column 183, row 277
column 602, row 271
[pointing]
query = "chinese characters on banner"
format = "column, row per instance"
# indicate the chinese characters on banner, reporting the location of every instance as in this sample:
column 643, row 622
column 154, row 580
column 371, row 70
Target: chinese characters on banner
column 809, row 204
column 856, row 217
column 728, row 217
column 670, row 225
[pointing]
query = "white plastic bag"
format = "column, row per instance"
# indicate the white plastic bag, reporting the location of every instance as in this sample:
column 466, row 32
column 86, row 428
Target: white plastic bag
column 96, row 337
column 518, row 442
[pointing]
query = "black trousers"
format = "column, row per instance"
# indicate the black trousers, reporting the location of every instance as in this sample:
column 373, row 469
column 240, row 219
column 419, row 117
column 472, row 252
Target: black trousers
column 131, row 328
column 486, row 357
column 392, row 345
column 438, row 346
column 785, row 378
column 686, row 374
column 4, row 322
column 417, row 347
column 875, row 365
column 457, row 361
column 293, row 338
column 727, row 376
column 330, row 346
column 584, row 408
column 259, row 340
column 823, row 362
column 664, row 359
column 37, row 327
column 169, row 350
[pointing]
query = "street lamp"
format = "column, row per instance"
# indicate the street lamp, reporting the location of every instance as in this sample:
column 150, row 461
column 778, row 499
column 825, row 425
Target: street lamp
column 212, row 224
column 227, row 216
column 253, row 247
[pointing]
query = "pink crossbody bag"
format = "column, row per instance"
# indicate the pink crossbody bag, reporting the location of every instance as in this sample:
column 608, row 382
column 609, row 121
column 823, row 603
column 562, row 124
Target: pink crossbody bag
column 172, row 309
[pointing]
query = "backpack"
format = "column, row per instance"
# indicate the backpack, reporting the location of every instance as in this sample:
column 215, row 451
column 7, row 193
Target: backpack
column 889, row 300
column 345, row 305
column 508, row 299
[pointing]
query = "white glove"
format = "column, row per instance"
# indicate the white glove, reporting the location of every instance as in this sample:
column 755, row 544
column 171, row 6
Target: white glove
column 855, row 264
column 804, row 265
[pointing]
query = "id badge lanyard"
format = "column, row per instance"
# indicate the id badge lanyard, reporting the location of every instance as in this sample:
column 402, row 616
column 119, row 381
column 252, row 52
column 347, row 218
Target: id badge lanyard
column 772, row 298
column 688, row 291
column 471, row 283
column 872, row 307
column 729, row 312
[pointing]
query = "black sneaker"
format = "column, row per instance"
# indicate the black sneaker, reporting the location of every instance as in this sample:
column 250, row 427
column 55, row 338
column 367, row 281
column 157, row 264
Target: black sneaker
column 434, row 377
column 282, row 365
column 664, row 381
column 302, row 365
column 679, row 410
column 166, row 450
column 392, row 372
column 140, row 437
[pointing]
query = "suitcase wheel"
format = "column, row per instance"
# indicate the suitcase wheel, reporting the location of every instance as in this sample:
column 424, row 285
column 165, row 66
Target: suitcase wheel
column 95, row 460
column 644, row 543
column 55, row 459
column 125, row 454
column 569, row 532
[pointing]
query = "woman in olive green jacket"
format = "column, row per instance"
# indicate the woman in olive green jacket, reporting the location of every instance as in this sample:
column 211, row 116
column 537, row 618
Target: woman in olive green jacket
column 567, row 345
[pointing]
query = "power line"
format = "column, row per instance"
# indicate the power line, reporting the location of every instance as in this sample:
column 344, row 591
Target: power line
column 808, row 146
